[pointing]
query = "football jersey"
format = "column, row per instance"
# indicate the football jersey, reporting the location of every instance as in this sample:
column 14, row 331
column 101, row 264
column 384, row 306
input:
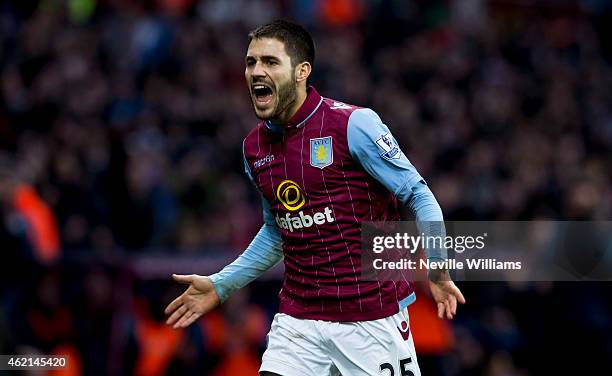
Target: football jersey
column 317, row 192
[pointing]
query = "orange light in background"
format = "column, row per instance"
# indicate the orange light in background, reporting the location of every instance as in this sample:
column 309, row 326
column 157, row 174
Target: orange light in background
column 341, row 12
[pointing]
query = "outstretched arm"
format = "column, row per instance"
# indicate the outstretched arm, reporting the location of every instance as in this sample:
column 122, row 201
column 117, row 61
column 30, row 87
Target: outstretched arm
column 207, row 292
column 204, row 293
column 264, row 252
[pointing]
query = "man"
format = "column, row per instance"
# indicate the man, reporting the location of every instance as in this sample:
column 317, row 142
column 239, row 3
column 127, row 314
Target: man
column 322, row 167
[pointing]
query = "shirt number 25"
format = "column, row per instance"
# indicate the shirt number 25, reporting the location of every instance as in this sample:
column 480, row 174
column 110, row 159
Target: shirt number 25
column 403, row 363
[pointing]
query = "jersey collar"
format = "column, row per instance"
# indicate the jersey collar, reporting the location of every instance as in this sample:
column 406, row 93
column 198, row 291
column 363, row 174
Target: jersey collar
column 309, row 107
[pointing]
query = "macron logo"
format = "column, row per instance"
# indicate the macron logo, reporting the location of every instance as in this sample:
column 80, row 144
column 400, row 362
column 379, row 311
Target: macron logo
column 263, row 161
column 340, row 106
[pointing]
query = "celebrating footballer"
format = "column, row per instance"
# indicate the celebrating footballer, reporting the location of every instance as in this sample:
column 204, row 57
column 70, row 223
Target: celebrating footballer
column 322, row 168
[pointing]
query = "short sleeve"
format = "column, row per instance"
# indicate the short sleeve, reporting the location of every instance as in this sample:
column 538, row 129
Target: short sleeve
column 371, row 143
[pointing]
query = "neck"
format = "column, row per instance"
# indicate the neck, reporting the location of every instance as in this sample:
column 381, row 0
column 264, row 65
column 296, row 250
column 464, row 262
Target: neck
column 285, row 116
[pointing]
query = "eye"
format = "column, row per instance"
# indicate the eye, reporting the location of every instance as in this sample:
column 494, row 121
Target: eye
column 271, row 62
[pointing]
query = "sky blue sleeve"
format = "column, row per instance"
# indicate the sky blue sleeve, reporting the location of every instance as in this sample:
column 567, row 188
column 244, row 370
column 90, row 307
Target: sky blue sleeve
column 264, row 252
column 371, row 143
column 430, row 221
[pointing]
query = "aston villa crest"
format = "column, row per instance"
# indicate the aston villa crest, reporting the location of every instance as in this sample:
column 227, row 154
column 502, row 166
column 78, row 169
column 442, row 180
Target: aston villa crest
column 321, row 152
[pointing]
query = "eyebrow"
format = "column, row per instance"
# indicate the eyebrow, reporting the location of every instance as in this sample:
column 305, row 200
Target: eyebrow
column 263, row 57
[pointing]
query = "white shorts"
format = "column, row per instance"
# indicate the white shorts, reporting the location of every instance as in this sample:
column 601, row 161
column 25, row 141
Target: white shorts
column 300, row 347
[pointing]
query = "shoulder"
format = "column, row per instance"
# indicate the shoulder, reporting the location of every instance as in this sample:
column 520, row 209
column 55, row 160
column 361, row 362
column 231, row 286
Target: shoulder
column 256, row 132
column 254, row 138
column 344, row 115
column 339, row 107
column 365, row 122
column 364, row 118
column 366, row 130
column 351, row 113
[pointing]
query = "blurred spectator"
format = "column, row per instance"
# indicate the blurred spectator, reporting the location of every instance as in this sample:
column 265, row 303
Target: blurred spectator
column 29, row 223
column 236, row 334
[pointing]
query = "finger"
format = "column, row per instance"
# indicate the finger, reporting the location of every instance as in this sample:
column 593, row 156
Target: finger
column 449, row 315
column 440, row 310
column 453, row 304
column 181, row 278
column 176, row 315
column 173, row 306
column 183, row 320
column 191, row 319
column 457, row 293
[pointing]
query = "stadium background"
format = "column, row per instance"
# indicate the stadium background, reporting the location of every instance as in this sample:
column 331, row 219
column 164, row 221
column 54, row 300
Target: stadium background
column 120, row 131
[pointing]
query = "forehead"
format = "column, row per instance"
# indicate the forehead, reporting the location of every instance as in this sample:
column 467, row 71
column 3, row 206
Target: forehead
column 267, row 47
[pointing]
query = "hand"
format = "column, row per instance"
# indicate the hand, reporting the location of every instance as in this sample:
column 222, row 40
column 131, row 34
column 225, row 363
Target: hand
column 446, row 295
column 199, row 298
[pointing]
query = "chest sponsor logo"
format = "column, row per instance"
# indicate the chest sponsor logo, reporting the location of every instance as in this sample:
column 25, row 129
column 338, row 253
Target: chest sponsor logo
column 260, row 162
column 291, row 196
column 388, row 147
column 300, row 220
column 321, row 152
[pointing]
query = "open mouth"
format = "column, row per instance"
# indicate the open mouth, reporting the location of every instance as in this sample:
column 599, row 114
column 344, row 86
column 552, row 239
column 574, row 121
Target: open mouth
column 262, row 93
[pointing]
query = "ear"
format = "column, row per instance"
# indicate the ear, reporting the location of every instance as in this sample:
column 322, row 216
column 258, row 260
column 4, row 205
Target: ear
column 302, row 71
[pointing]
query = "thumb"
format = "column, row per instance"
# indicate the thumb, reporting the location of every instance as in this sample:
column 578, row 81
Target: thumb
column 181, row 278
column 457, row 293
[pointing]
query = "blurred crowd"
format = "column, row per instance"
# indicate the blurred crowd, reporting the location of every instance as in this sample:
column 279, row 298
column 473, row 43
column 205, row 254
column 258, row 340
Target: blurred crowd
column 121, row 125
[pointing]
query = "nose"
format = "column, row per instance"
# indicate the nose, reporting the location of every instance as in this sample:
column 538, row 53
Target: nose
column 258, row 70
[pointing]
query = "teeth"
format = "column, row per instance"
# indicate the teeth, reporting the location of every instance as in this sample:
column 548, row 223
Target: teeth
column 259, row 87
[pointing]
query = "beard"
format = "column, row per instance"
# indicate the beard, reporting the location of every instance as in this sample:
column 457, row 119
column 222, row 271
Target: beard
column 286, row 94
